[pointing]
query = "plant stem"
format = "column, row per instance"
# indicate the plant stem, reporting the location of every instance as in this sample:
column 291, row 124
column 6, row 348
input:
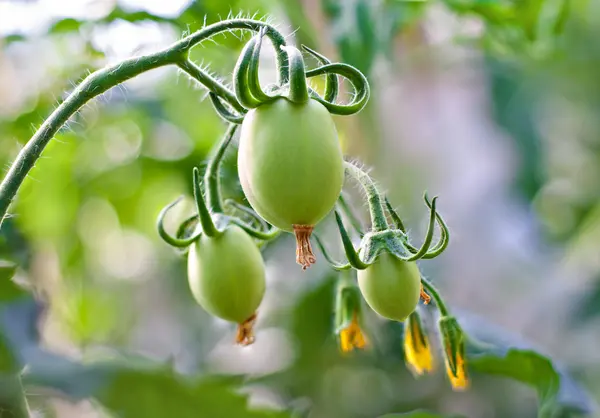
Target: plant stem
column 12, row 399
column 100, row 81
column 374, row 198
column 207, row 80
column 436, row 296
column 211, row 177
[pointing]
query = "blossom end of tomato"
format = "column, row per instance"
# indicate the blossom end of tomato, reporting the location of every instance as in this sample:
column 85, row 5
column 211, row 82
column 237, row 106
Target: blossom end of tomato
column 304, row 253
column 245, row 331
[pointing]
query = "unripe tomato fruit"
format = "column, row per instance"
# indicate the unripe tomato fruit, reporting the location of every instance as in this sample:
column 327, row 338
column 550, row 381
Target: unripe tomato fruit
column 391, row 287
column 226, row 274
column 290, row 162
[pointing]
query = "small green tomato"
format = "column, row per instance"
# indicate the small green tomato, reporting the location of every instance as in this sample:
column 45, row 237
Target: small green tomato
column 291, row 167
column 391, row 287
column 226, row 275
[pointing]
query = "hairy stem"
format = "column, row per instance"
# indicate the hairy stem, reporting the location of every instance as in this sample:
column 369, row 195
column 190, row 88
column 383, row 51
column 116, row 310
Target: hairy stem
column 214, row 85
column 373, row 196
column 211, row 177
column 100, row 81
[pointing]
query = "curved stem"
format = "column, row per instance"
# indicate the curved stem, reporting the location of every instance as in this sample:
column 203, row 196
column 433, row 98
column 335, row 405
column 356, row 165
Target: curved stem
column 174, row 241
column 377, row 214
column 436, row 296
column 351, row 253
column 100, row 81
column 208, row 226
column 332, row 85
column 298, row 87
column 211, row 176
column 265, row 236
column 213, row 85
column 334, row 264
column 13, row 403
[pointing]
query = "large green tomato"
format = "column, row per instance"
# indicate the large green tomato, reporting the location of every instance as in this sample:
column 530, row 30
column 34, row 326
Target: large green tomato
column 391, row 287
column 226, row 274
column 290, row 162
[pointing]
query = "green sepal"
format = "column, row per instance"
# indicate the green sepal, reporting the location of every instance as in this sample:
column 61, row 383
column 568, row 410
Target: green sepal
column 348, row 304
column 174, row 241
column 416, row 327
column 453, row 341
column 332, row 85
column 253, row 80
column 358, row 80
column 298, row 88
column 240, row 76
column 351, row 253
column 222, row 110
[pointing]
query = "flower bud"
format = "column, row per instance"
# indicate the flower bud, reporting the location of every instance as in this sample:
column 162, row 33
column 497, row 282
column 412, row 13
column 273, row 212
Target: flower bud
column 348, row 317
column 453, row 343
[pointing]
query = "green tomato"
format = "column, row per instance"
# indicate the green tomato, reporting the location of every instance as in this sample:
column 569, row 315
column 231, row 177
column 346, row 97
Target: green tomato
column 391, row 287
column 290, row 162
column 226, row 274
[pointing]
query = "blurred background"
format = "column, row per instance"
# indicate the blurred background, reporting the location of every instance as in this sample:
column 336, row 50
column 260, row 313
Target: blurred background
column 492, row 105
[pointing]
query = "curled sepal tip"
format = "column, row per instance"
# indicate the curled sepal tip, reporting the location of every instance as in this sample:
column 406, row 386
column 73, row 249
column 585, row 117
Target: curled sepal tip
column 253, row 80
column 358, row 80
column 253, row 232
column 429, row 235
column 298, row 91
column 442, row 244
column 223, row 111
column 175, row 242
column 241, row 76
column 208, row 226
column 332, row 85
column 245, row 331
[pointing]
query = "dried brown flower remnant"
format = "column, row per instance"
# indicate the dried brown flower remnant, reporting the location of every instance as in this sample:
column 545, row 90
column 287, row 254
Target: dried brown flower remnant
column 304, row 253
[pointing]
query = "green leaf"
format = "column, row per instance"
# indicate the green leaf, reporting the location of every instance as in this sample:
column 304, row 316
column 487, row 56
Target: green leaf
column 131, row 387
column 419, row 414
column 491, row 350
column 161, row 393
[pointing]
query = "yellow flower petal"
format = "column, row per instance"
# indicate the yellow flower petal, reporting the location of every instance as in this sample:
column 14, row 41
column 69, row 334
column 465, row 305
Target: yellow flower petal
column 417, row 352
column 460, row 381
column 352, row 337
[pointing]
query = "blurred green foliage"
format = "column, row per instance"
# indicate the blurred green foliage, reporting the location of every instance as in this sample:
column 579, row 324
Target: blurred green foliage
column 83, row 227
